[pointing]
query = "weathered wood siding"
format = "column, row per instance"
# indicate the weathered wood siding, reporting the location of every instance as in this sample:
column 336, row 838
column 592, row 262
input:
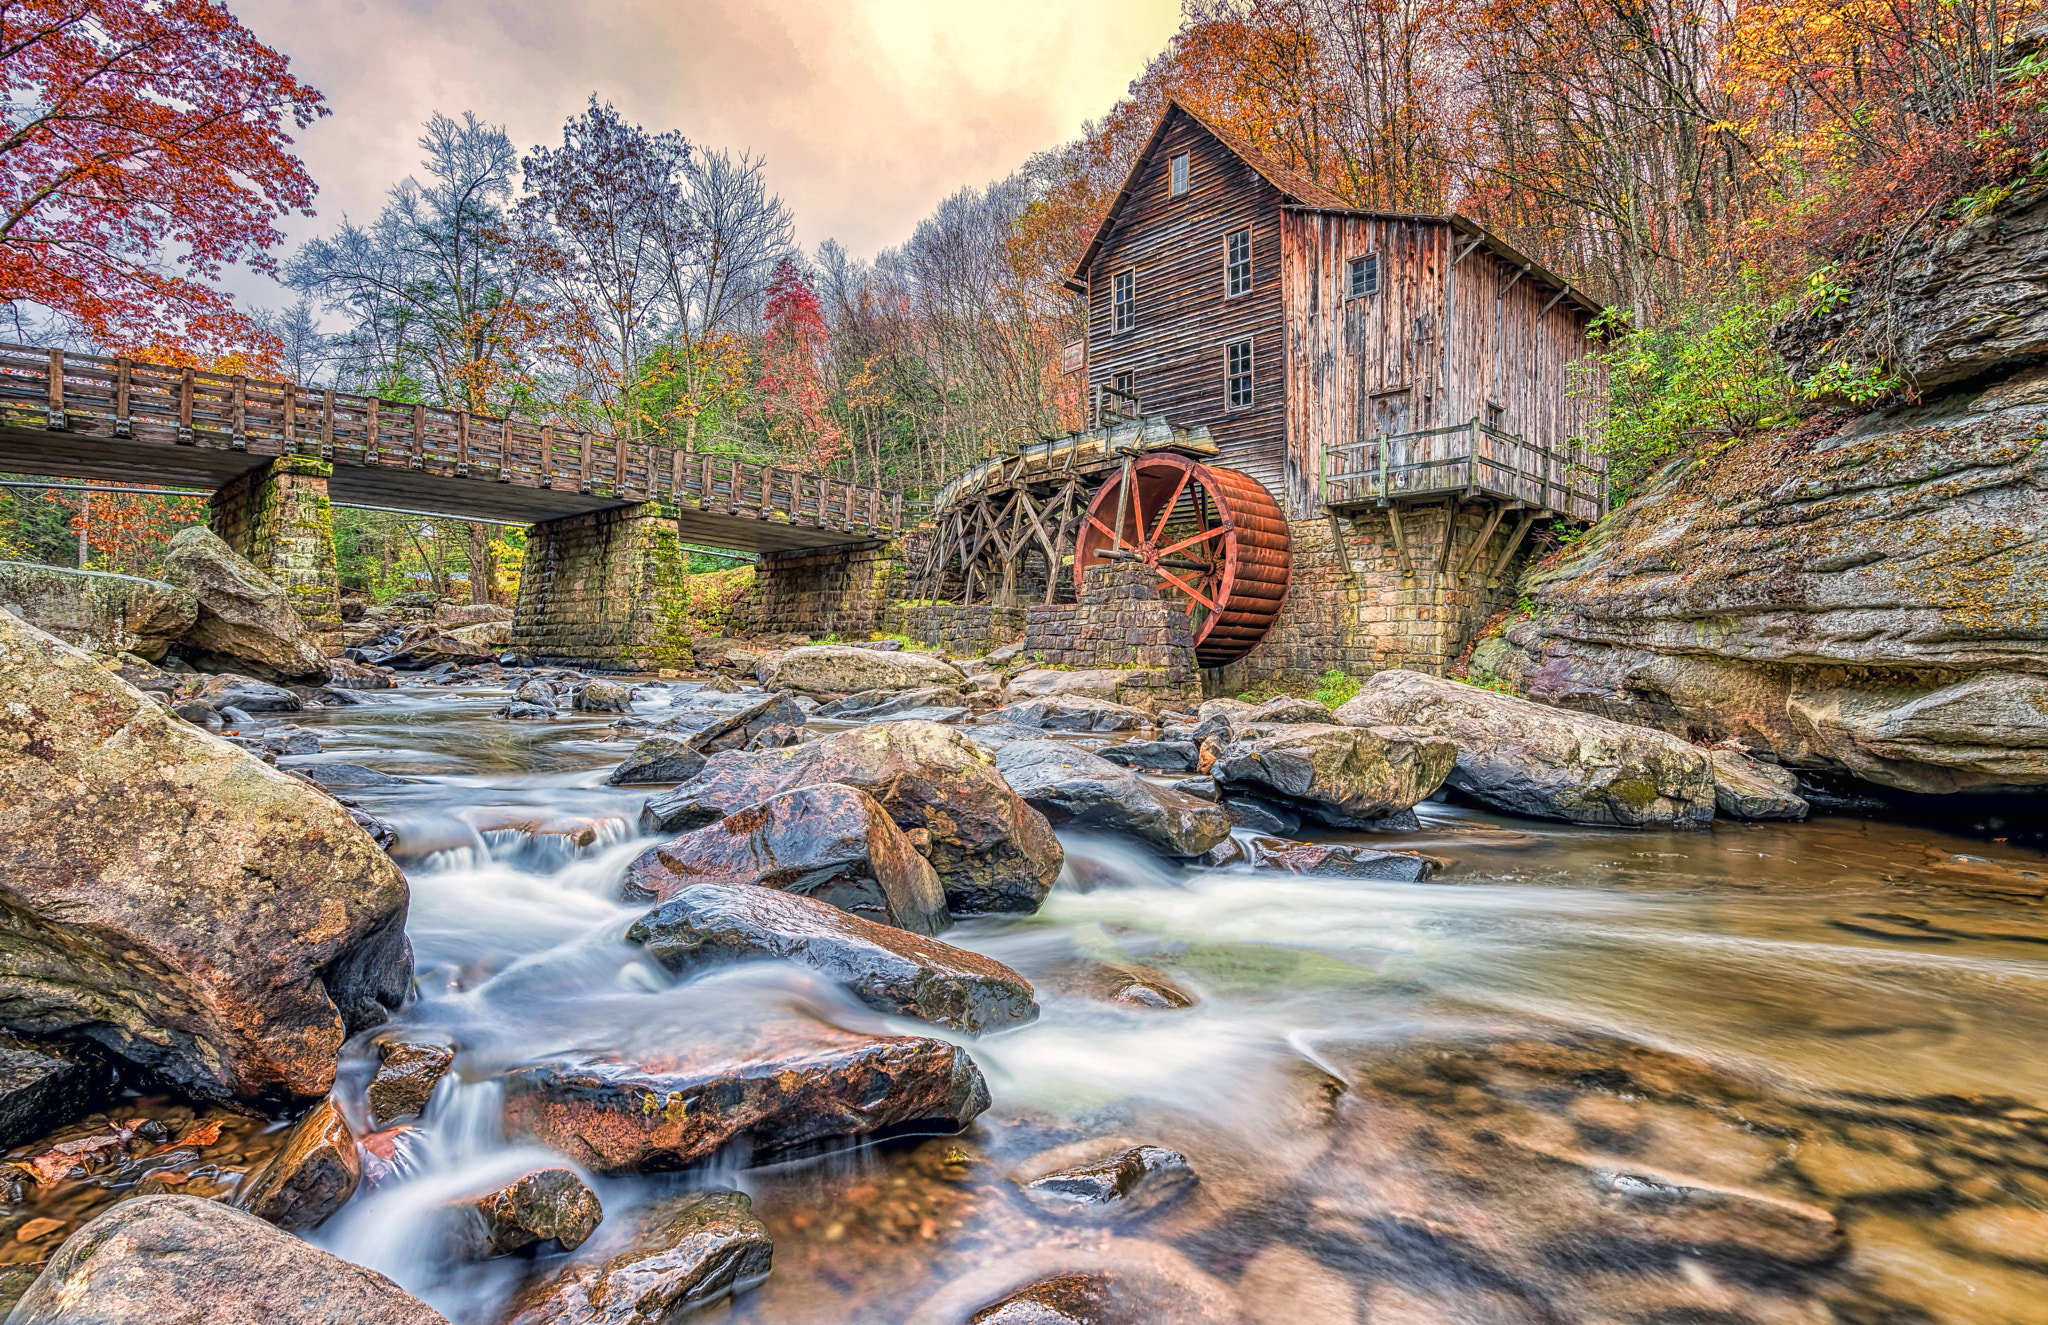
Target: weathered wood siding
column 1184, row 319
column 1352, row 362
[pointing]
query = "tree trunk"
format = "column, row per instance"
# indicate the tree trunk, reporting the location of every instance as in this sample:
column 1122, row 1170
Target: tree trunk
column 480, row 567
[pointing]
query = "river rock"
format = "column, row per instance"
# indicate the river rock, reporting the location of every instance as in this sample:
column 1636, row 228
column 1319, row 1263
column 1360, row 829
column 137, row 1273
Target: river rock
column 780, row 1086
column 1154, row 756
column 892, row 971
column 100, row 613
column 175, row 898
column 45, row 1085
column 1129, row 1182
column 992, row 851
column 1259, row 816
column 1073, row 786
column 410, row 1064
column 1339, row 861
column 245, row 620
column 1121, row 985
column 457, row 615
column 1746, row 788
column 871, row 704
column 1547, row 763
column 989, row 735
column 604, row 697
column 828, row 841
column 661, row 757
column 707, row 1248
column 465, row 646
column 1089, row 683
column 179, row 1260
column 341, row 776
column 546, row 1205
column 1282, row 709
column 1070, row 713
column 735, row 729
column 837, row 669
column 246, row 693
column 1346, row 776
column 313, row 1176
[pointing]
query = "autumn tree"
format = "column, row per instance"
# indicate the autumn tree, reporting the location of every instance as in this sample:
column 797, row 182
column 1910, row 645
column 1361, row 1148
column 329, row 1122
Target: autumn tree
column 793, row 402
column 145, row 151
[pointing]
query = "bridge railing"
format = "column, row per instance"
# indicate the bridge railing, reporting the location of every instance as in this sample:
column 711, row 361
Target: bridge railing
column 122, row 399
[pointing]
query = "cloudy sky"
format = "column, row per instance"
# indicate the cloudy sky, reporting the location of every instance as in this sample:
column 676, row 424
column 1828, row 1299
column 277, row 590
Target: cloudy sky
column 869, row 111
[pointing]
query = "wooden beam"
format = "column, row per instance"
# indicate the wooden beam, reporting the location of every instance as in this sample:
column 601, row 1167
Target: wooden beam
column 1400, row 542
column 1514, row 541
column 1337, row 544
column 1553, row 303
column 1479, row 544
column 1443, row 556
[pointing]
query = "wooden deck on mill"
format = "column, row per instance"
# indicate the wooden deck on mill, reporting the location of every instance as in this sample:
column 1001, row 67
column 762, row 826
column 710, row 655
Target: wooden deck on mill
column 115, row 420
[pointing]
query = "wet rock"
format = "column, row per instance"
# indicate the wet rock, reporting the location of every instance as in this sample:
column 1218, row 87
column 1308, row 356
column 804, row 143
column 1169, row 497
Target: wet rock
column 248, row 694
column 520, row 711
column 708, row 1248
column 44, row 1086
column 871, row 704
column 100, row 613
column 175, row 899
column 410, row 1064
column 179, row 1260
column 1070, row 713
column 200, row 714
column 604, row 697
column 662, row 757
column 1092, row 683
column 780, row 1087
column 466, row 646
column 1202, row 788
column 836, row 669
column 1114, row 1281
column 781, row 735
column 1073, row 786
column 1746, row 788
column 1547, row 763
column 345, row 675
column 1129, row 1182
column 245, row 620
column 890, row 970
column 537, row 693
column 828, row 841
column 470, row 614
column 1343, row 776
column 1283, row 709
column 734, row 730
column 546, row 1205
column 989, row 735
column 1153, row 756
column 1061, row 1299
column 313, row 1176
column 1122, row 985
column 992, row 851
column 1257, row 815
column 1329, row 861
column 340, row 776
column 1226, row 852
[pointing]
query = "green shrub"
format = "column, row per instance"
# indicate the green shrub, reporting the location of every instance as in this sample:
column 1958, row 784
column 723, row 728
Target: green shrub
column 1337, row 687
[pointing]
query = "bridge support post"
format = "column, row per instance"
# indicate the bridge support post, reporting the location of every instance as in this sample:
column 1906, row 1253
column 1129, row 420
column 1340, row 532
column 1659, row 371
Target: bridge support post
column 278, row 517
column 606, row 589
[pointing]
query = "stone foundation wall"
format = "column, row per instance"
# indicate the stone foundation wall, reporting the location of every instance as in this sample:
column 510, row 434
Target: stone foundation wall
column 964, row 632
column 1121, row 621
column 1370, row 615
column 279, row 518
column 844, row 591
column 604, row 590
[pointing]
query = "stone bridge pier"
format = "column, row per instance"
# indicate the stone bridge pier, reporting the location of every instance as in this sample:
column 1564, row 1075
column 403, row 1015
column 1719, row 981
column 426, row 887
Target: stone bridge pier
column 604, row 589
column 277, row 515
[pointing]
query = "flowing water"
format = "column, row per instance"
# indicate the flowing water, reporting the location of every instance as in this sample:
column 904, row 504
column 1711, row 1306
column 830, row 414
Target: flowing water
column 1762, row 1073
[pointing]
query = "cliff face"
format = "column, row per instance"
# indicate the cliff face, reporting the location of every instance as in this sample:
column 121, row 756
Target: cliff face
column 1871, row 599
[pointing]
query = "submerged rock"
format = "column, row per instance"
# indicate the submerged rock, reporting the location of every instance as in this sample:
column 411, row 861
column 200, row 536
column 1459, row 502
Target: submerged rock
column 313, row 1176
column 828, row 841
column 1339, row 861
column 1129, row 1182
column 546, row 1205
column 890, row 970
column 1120, row 984
column 245, row 620
column 1067, row 785
column 1746, row 788
column 708, row 1248
column 1070, row 713
column 992, row 851
column 177, row 899
column 778, row 1087
column 837, row 669
column 179, row 1260
column 1345, row 776
column 44, row 1086
column 1544, row 762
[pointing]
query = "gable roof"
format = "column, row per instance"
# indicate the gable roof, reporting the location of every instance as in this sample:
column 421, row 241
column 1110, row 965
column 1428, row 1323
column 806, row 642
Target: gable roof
column 1299, row 192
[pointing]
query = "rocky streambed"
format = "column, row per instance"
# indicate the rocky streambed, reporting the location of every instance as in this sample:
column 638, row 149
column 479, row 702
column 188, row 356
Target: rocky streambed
column 1041, row 1008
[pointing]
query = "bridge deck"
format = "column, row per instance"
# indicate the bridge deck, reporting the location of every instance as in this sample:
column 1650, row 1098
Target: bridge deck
column 117, row 421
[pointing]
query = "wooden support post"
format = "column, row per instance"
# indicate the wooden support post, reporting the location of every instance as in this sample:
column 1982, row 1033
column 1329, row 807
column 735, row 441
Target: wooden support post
column 373, row 443
column 675, row 477
column 124, row 424
column 547, row 456
column 619, row 486
column 462, row 443
column 583, row 477
column 419, row 436
column 896, row 513
column 508, row 460
column 54, row 419
column 732, row 500
column 186, row 386
column 327, row 424
column 289, row 421
column 1443, row 557
column 1485, row 537
column 767, row 492
column 1337, row 545
column 704, row 483
column 238, row 413
column 1507, row 553
column 1400, row 542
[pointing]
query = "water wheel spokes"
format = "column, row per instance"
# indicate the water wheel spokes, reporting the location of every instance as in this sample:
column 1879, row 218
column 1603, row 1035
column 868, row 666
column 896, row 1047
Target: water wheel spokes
column 1214, row 538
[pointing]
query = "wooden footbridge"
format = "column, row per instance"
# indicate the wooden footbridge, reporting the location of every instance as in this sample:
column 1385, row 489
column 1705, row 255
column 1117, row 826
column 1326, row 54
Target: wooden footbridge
column 120, row 421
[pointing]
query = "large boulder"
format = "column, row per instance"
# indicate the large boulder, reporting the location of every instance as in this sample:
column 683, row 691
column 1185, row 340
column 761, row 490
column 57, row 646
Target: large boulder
column 1070, row 785
column 97, row 612
column 1071, row 713
column 1347, row 777
column 179, row 1260
column 993, row 852
column 826, row 840
column 1544, row 762
column 246, row 621
column 903, row 974
column 1045, row 682
column 192, row 908
column 837, row 669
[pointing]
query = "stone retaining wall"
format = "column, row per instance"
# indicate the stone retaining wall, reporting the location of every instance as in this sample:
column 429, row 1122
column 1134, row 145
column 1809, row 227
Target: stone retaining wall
column 604, row 590
column 1121, row 621
column 964, row 632
column 842, row 591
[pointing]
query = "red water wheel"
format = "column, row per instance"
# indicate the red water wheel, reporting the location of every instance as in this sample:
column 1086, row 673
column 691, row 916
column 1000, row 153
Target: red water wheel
column 1213, row 537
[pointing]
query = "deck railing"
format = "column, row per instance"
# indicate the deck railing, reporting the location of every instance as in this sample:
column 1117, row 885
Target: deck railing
column 1463, row 457
column 122, row 399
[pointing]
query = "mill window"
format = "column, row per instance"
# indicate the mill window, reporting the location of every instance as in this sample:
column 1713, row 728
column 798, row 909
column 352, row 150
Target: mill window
column 1179, row 174
column 1239, row 374
column 1126, row 300
column 1237, row 262
column 1365, row 276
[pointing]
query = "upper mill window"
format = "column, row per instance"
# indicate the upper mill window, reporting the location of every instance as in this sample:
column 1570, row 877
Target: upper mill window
column 1237, row 262
column 1178, row 174
column 1365, row 276
column 1126, row 300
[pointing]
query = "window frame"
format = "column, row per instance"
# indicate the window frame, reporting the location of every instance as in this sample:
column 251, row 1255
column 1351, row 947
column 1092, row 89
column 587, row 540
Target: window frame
column 1357, row 265
column 1180, row 175
column 1123, row 312
column 1230, row 237
column 1230, row 376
